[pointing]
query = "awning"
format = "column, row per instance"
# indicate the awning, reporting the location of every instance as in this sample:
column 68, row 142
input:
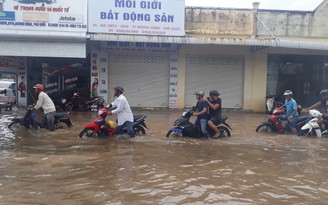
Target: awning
column 43, row 44
column 313, row 44
column 42, row 49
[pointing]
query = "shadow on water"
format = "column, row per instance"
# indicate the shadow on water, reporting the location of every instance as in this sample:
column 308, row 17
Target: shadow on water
column 41, row 167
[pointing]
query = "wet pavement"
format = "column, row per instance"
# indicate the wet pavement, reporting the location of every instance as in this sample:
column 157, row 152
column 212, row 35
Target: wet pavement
column 41, row 167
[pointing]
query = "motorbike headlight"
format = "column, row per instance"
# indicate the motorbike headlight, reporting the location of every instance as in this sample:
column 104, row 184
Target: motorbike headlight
column 63, row 101
column 184, row 114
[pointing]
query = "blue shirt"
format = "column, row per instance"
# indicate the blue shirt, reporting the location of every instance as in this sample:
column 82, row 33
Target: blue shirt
column 200, row 106
column 291, row 105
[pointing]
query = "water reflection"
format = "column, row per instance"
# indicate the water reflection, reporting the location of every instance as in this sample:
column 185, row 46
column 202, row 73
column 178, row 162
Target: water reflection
column 43, row 167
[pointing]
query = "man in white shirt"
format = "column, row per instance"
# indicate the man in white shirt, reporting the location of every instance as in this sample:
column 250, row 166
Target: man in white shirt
column 47, row 105
column 123, row 111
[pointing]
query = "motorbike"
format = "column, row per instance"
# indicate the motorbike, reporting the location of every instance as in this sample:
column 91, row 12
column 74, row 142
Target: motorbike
column 100, row 127
column 184, row 128
column 29, row 120
column 76, row 103
column 312, row 126
column 273, row 124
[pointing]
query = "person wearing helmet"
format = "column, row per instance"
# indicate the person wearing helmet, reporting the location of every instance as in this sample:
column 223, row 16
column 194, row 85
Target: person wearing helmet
column 291, row 111
column 49, row 109
column 123, row 111
column 214, row 104
column 324, row 103
column 201, row 111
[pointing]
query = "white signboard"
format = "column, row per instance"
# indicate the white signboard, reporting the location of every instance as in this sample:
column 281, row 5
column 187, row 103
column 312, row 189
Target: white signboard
column 137, row 17
column 173, row 81
column 44, row 15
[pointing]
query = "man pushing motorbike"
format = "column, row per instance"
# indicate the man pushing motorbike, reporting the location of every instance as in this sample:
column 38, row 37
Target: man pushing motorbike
column 49, row 109
column 324, row 103
column 291, row 111
column 123, row 111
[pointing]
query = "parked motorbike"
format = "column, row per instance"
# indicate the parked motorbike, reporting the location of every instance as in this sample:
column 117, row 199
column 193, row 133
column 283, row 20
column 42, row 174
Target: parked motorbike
column 76, row 103
column 29, row 120
column 100, row 127
column 312, row 126
column 183, row 127
column 271, row 102
column 273, row 124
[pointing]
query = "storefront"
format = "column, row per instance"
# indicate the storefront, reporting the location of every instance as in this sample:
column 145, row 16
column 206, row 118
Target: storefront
column 304, row 74
column 147, row 70
column 55, row 29
column 143, row 69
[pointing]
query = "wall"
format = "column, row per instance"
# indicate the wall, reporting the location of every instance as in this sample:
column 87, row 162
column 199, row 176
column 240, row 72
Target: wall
column 211, row 21
column 320, row 24
column 284, row 23
column 220, row 22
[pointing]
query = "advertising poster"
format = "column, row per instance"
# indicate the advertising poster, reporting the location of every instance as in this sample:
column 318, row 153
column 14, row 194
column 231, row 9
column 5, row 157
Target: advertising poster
column 137, row 17
column 94, row 75
column 13, row 79
column 44, row 15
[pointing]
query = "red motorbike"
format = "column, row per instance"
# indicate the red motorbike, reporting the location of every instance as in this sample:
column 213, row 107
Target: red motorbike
column 273, row 124
column 101, row 128
column 77, row 103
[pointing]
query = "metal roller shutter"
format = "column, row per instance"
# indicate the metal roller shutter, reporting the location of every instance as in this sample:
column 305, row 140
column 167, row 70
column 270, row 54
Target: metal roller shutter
column 223, row 73
column 145, row 78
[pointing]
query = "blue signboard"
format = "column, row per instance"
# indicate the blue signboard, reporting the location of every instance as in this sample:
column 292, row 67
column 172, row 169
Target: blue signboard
column 7, row 15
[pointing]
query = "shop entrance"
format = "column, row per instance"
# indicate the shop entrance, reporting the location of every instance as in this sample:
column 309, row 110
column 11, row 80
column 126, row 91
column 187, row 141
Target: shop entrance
column 303, row 74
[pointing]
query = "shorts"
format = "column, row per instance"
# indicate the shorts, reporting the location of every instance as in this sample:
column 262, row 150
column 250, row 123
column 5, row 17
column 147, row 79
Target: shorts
column 216, row 120
column 292, row 122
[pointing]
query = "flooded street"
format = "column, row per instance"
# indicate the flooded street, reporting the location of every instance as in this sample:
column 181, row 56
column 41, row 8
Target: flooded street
column 41, row 167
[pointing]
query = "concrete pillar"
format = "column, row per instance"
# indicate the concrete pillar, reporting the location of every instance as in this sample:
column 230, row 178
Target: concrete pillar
column 255, row 81
column 181, row 78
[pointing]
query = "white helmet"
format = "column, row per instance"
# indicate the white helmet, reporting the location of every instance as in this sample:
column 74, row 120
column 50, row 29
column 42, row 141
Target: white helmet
column 288, row 92
column 201, row 93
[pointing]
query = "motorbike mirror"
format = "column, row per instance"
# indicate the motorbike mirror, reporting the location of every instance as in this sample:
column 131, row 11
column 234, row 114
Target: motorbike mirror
column 63, row 101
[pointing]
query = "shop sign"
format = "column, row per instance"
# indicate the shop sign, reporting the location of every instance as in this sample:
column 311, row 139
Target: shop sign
column 7, row 15
column 137, row 17
column 111, row 46
column 173, row 95
column 44, row 15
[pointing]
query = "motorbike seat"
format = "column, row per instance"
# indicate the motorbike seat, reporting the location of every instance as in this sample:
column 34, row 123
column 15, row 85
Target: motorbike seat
column 138, row 118
column 222, row 119
column 61, row 114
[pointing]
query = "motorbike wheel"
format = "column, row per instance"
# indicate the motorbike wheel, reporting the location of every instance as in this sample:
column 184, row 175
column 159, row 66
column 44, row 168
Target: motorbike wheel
column 173, row 134
column 139, row 130
column 264, row 129
column 88, row 132
column 224, row 132
column 15, row 125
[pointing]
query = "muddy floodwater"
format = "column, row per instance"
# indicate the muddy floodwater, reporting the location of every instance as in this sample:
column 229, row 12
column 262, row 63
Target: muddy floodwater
column 41, row 167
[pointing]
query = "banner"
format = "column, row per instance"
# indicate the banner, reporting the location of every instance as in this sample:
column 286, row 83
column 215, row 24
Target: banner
column 137, row 17
column 44, row 15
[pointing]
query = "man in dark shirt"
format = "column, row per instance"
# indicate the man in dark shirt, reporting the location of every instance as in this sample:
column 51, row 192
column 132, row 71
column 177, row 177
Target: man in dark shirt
column 324, row 103
column 201, row 112
column 215, row 105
